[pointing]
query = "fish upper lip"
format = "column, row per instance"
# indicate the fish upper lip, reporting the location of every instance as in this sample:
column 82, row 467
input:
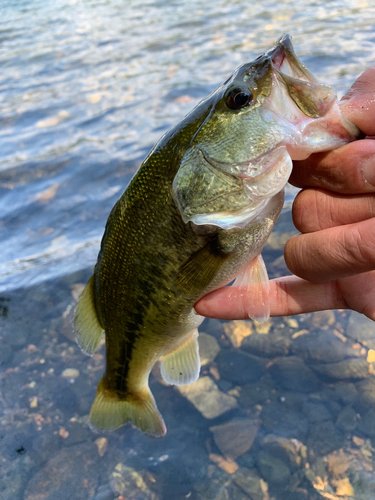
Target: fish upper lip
column 285, row 61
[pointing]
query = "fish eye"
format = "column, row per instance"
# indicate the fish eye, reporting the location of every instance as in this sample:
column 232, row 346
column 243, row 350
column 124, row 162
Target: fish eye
column 239, row 98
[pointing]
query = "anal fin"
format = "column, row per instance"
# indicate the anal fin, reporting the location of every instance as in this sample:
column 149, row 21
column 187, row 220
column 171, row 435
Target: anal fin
column 182, row 365
column 86, row 323
column 110, row 412
column 251, row 288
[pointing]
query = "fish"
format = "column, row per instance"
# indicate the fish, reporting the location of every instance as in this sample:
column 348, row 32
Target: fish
column 194, row 218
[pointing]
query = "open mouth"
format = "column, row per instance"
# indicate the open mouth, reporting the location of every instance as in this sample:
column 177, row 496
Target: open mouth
column 312, row 98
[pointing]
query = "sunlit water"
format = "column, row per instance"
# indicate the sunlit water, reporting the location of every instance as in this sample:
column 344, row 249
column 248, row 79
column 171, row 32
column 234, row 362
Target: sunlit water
column 86, row 89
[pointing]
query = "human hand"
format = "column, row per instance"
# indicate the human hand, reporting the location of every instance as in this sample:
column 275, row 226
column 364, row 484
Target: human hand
column 333, row 258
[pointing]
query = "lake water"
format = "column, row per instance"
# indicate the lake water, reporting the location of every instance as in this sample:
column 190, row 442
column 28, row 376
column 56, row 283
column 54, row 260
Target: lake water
column 86, row 89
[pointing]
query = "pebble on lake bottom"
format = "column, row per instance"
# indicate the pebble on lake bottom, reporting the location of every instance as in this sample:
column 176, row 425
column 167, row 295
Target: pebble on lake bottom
column 207, row 398
column 235, row 438
column 237, row 330
column 208, row 348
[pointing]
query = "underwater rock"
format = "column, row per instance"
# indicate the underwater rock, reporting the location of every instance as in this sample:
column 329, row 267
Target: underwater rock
column 205, row 395
column 105, row 492
column 361, row 329
column 344, row 370
column 274, row 470
column 367, row 424
column 237, row 331
column 366, row 390
column 70, row 373
column 285, row 449
column 257, row 393
column 282, row 421
column 268, row 346
column 292, row 374
column 127, row 481
column 347, row 419
column 235, row 438
column 239, row 367
column 244, row 484
column 322, row 347
column 316, row 412
column 68, row 474
column 208, row 348
column 250, row 483
column 324, row 438
column 348, row 392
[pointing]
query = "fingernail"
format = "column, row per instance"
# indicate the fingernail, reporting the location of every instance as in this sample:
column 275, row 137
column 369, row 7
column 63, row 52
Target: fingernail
column 368, row 170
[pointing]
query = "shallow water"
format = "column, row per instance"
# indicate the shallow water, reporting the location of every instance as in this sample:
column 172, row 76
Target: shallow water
column 86, row 89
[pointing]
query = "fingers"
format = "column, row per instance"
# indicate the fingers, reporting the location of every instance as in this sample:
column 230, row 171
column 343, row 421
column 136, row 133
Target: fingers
column 291, row 295
column 315, row 209
column 358, row 105
column 347, row 170
column 332, row 253
column 288, row 295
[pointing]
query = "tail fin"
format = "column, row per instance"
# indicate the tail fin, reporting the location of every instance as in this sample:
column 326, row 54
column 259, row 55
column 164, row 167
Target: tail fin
column 109, row 412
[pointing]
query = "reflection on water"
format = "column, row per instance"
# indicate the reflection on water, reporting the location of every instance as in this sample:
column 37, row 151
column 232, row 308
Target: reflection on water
column 282, row 411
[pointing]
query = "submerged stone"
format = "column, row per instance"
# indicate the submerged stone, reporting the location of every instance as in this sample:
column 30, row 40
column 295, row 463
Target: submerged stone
column 282, row 421
column 208, row 348
column 62, row 476
column 344, row 370
column 292, row 374
column 324, row 438
column 361, row 329
column 235, row 438
column 268, row 346
column 274, row 470
column 205, row 395
column 237, row 331
column 127, row 481
column 366, row 390
column 322, row 347
column 239, row 367
column 347, row 419
column 316, row 412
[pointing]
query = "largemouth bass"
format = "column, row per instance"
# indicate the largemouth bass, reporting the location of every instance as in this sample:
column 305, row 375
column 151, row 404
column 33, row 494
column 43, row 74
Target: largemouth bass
column 195, row 217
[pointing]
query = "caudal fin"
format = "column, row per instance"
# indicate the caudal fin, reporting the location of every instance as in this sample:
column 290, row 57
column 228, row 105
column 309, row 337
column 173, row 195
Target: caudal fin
column 109, row 412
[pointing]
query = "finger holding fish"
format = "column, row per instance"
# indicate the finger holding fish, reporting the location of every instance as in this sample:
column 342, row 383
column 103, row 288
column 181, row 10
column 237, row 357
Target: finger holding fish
column 292, row 295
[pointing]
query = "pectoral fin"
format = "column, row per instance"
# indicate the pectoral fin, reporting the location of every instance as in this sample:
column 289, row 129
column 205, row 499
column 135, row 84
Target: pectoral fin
column 86, row 323
column 182, row 365
column 199, row 270
column 251, row 287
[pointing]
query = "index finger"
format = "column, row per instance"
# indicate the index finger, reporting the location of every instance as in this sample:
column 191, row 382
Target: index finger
column 350, row 169
column 347, row 170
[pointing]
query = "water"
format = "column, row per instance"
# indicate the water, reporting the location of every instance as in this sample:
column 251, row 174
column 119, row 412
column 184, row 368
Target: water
column 86, row 89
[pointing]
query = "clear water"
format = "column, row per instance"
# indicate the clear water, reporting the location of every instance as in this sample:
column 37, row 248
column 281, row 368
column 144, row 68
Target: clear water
column 86, row 89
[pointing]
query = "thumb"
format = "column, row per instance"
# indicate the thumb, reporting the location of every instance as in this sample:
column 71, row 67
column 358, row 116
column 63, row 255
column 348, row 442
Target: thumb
column 358, row 105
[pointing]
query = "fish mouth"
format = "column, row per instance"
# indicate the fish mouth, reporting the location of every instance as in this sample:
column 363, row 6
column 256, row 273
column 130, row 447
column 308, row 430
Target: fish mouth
column 285, row 61
column 312, row 98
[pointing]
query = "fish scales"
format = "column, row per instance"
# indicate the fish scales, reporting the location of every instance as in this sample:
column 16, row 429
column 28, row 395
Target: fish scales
column 196, row 216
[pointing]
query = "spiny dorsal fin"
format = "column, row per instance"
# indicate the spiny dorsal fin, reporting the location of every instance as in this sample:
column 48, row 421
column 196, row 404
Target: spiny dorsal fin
column 86, row 323
column 109, row 412
column 182, row 365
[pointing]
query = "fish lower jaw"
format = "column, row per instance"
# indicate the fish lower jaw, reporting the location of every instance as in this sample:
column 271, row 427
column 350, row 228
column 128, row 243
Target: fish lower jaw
column 322, row 134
